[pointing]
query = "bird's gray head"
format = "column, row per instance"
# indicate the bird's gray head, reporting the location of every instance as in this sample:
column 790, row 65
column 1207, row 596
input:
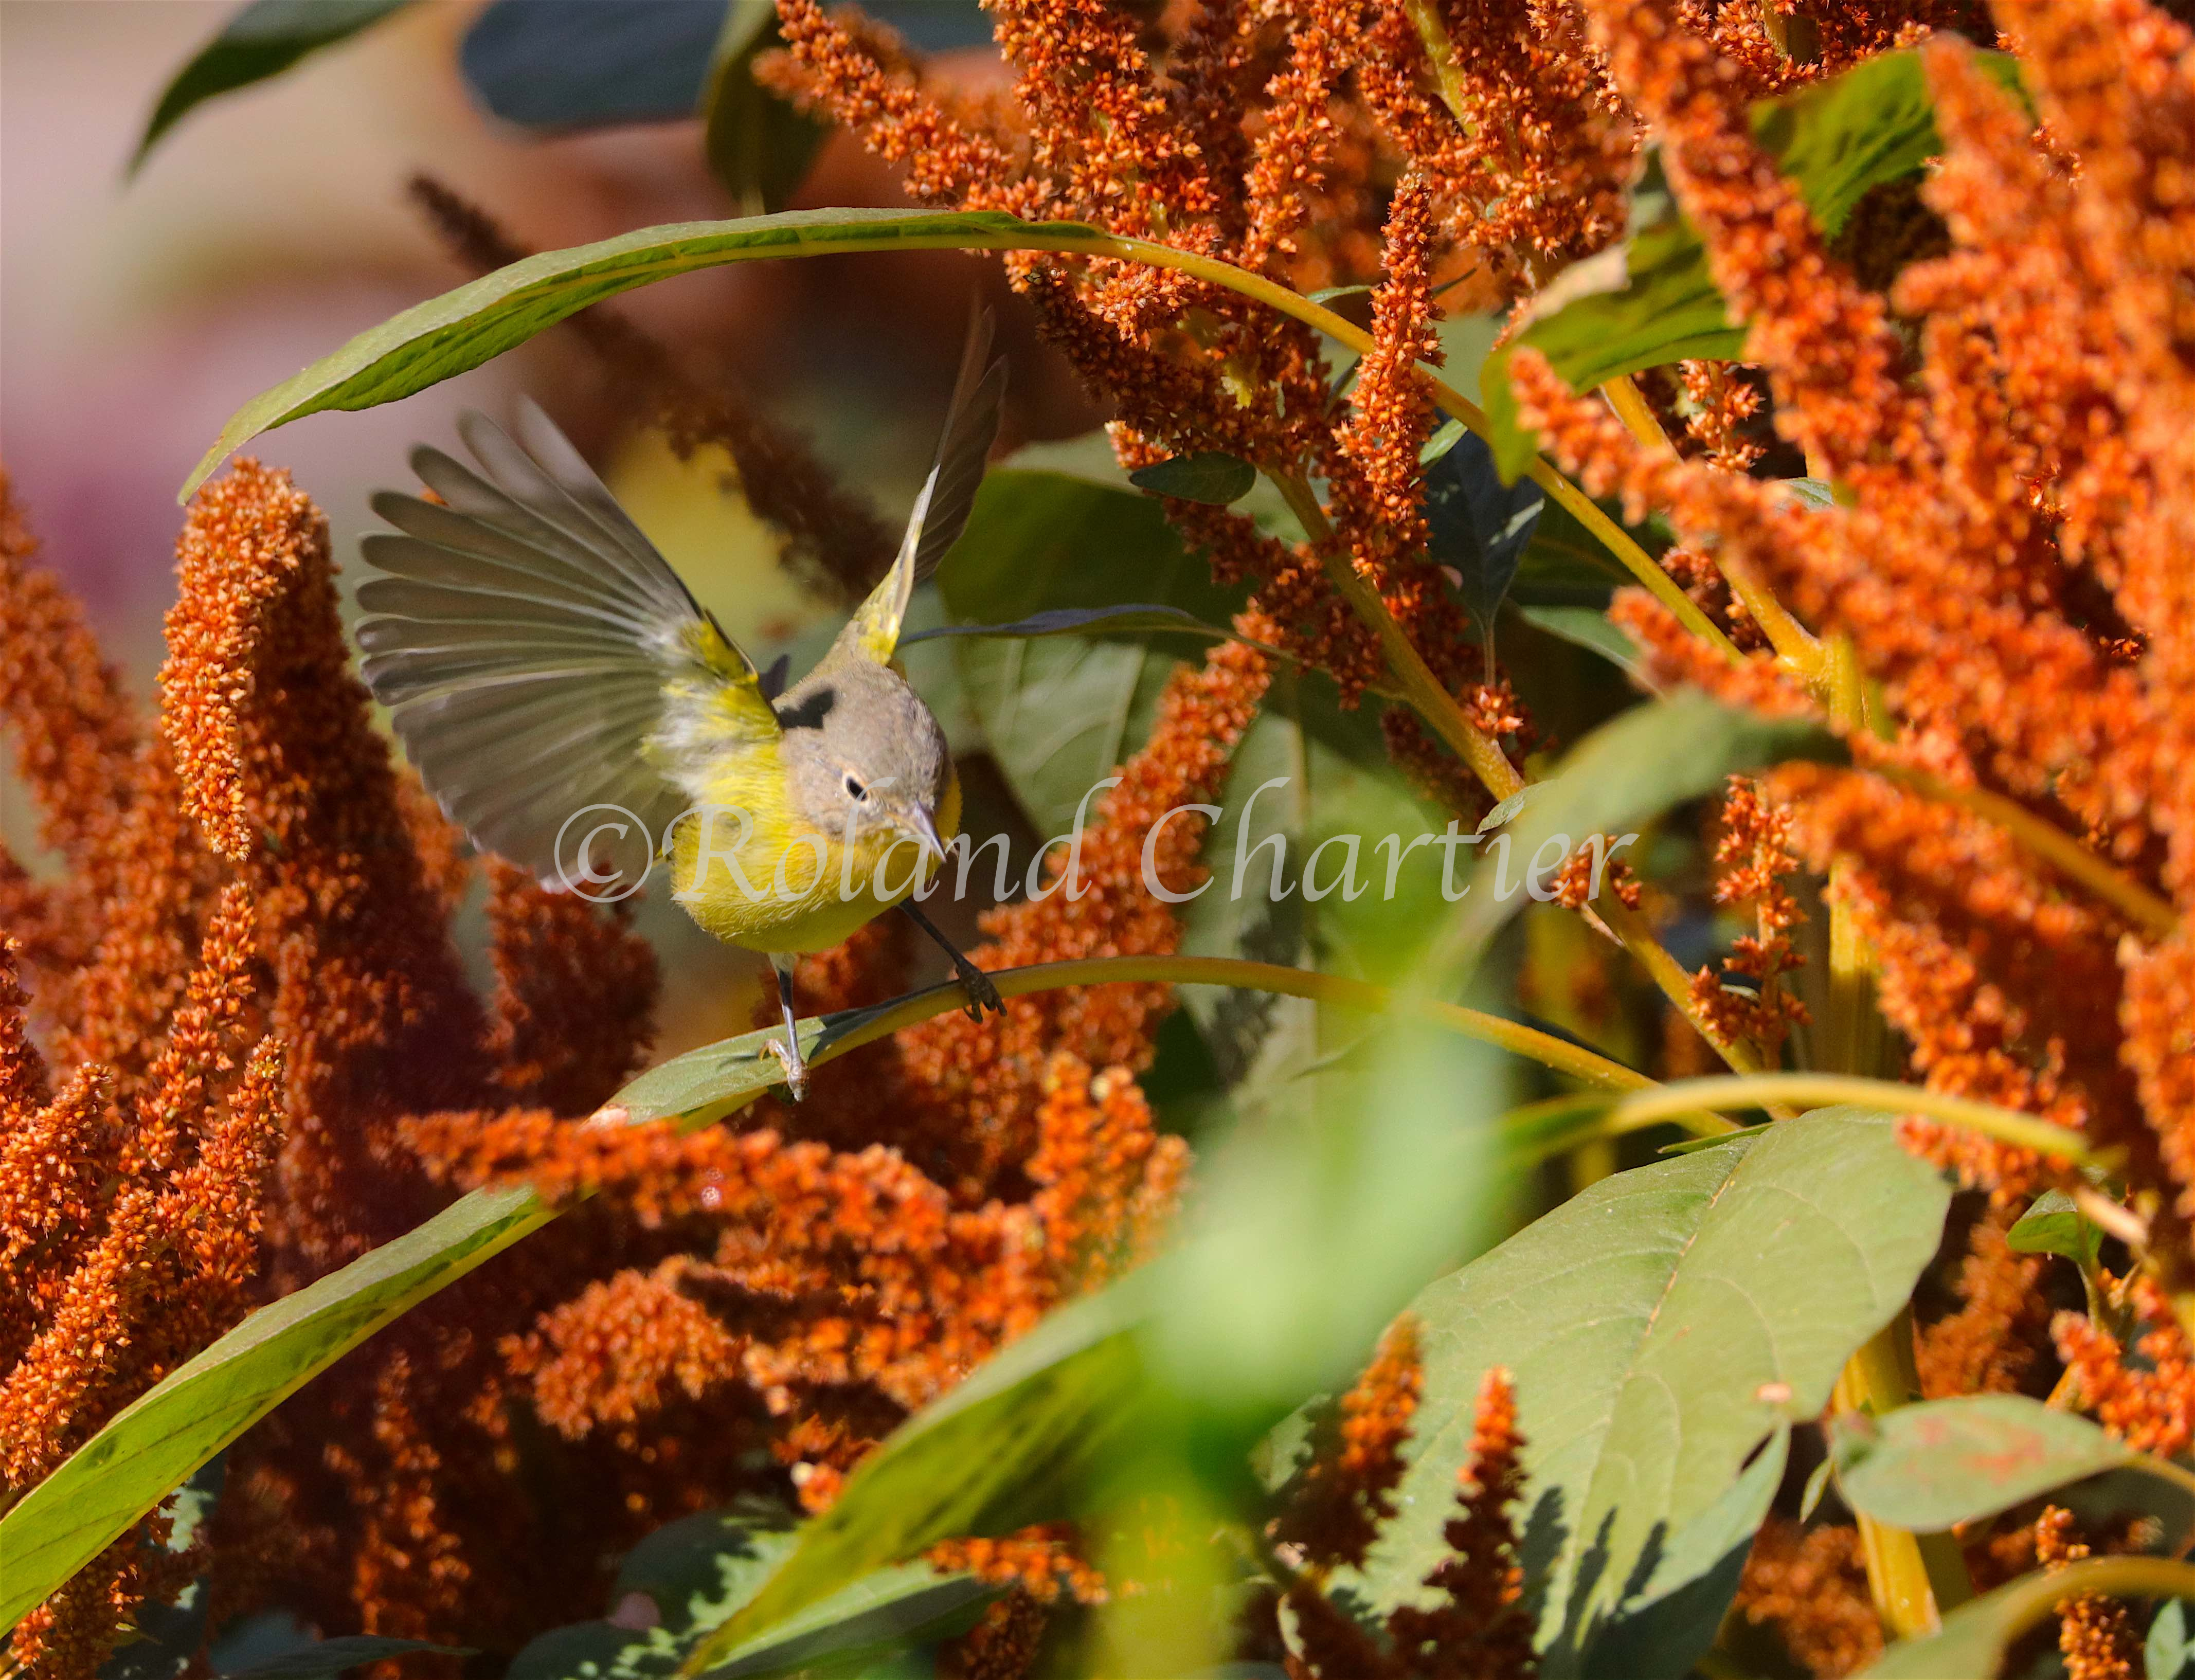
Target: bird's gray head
column 861, row 749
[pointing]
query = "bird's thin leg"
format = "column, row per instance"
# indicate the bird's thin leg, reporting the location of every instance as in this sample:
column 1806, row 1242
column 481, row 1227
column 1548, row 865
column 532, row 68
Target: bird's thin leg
column 788, row 1053
column 981, row 995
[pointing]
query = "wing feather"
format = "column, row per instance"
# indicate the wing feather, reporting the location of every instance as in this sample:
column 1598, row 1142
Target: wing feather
column 535, row 651
column 941, row 510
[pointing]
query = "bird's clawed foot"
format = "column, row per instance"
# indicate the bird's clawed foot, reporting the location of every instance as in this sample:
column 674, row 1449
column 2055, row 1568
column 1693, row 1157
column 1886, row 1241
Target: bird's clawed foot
column 981, row 995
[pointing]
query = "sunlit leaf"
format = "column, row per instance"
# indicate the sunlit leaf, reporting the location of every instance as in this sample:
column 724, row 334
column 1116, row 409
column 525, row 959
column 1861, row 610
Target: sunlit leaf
column 2169, row 1653
column 1659, row 1328
column 1837, row 139
column 160, row 1438
column 260, row 42
column 590, row 64
column 446, row 335
column 1930, row 1466
column 2054, row 1225
column 995, row 1452
column 1213, row 477
column 152, row 1445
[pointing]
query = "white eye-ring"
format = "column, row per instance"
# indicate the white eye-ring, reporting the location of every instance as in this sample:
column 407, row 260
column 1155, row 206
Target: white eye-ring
column 854, row 788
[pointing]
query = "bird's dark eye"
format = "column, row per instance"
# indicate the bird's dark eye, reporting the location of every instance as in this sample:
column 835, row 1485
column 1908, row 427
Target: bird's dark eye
column 854, row 790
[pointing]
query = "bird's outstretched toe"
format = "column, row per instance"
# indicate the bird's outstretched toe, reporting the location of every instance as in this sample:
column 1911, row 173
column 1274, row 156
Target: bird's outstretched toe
column 795, row 1064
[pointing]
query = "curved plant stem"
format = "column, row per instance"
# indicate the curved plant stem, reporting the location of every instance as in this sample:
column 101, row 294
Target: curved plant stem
column 2006, row 1125
column 1545, row 1047
column 2031, row 1600
column 1793, row 642
column 1636, row 559
column 1486, row 760
column 1418, row 684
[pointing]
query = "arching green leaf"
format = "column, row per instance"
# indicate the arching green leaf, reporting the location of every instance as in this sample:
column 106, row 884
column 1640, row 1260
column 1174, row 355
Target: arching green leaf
column 260, row 42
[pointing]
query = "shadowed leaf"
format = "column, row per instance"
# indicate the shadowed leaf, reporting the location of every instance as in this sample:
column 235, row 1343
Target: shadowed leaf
column 327, row 1657
column 1212, row 477
column 590, row 64
column 759, row 148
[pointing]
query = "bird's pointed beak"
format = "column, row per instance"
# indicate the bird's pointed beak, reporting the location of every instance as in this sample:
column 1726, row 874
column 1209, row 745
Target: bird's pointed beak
column 925, row 832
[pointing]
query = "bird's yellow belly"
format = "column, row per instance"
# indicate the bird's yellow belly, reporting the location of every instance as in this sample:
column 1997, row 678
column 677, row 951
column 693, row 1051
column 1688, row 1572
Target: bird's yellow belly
column 768, row 882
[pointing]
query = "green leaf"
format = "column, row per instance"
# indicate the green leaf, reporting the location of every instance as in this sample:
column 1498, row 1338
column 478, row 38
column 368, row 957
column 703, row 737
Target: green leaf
column 260, row 42
column 2054, row 1225
column 1658, row 1328
column 1212, row 477
column 1873, row 124
column 701, row 1570
column 989, row 1456
column 759, row 148
column 1978, row 1637
column 1932, row 1466
column 152, row 1444
column 1644, row 304
column 446, row 335
column 327, row 1657
column 590, row 64
column 1132, row 617
column 2170, row 1654
column 1060, row 715
column 1584, row 627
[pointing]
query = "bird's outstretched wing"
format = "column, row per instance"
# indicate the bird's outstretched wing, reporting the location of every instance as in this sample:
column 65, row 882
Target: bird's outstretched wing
column 940, row 511
column 537, row 654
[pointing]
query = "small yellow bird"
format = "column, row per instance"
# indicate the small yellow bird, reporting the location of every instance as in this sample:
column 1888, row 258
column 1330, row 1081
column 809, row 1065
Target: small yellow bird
column 541, row 661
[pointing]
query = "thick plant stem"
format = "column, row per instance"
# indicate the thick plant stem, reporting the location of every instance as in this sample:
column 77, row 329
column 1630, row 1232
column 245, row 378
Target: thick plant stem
column 1914, row 1579
column 1440, row 51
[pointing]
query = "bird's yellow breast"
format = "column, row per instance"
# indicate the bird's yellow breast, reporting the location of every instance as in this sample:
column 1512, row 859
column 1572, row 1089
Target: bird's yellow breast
column 753, row 872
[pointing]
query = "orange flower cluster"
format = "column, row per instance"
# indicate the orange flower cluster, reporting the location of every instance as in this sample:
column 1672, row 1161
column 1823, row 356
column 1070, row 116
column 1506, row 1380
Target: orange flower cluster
column 1811, row 1585
column 2096, row 1635
column 1475, row 1625
column 1753, row 857
column 1345, row 1490
column 2000, row 1332
column 1979, row 573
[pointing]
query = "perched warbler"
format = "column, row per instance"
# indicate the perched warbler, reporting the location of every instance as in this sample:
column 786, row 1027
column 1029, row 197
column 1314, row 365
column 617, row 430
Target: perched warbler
column 542, row 663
